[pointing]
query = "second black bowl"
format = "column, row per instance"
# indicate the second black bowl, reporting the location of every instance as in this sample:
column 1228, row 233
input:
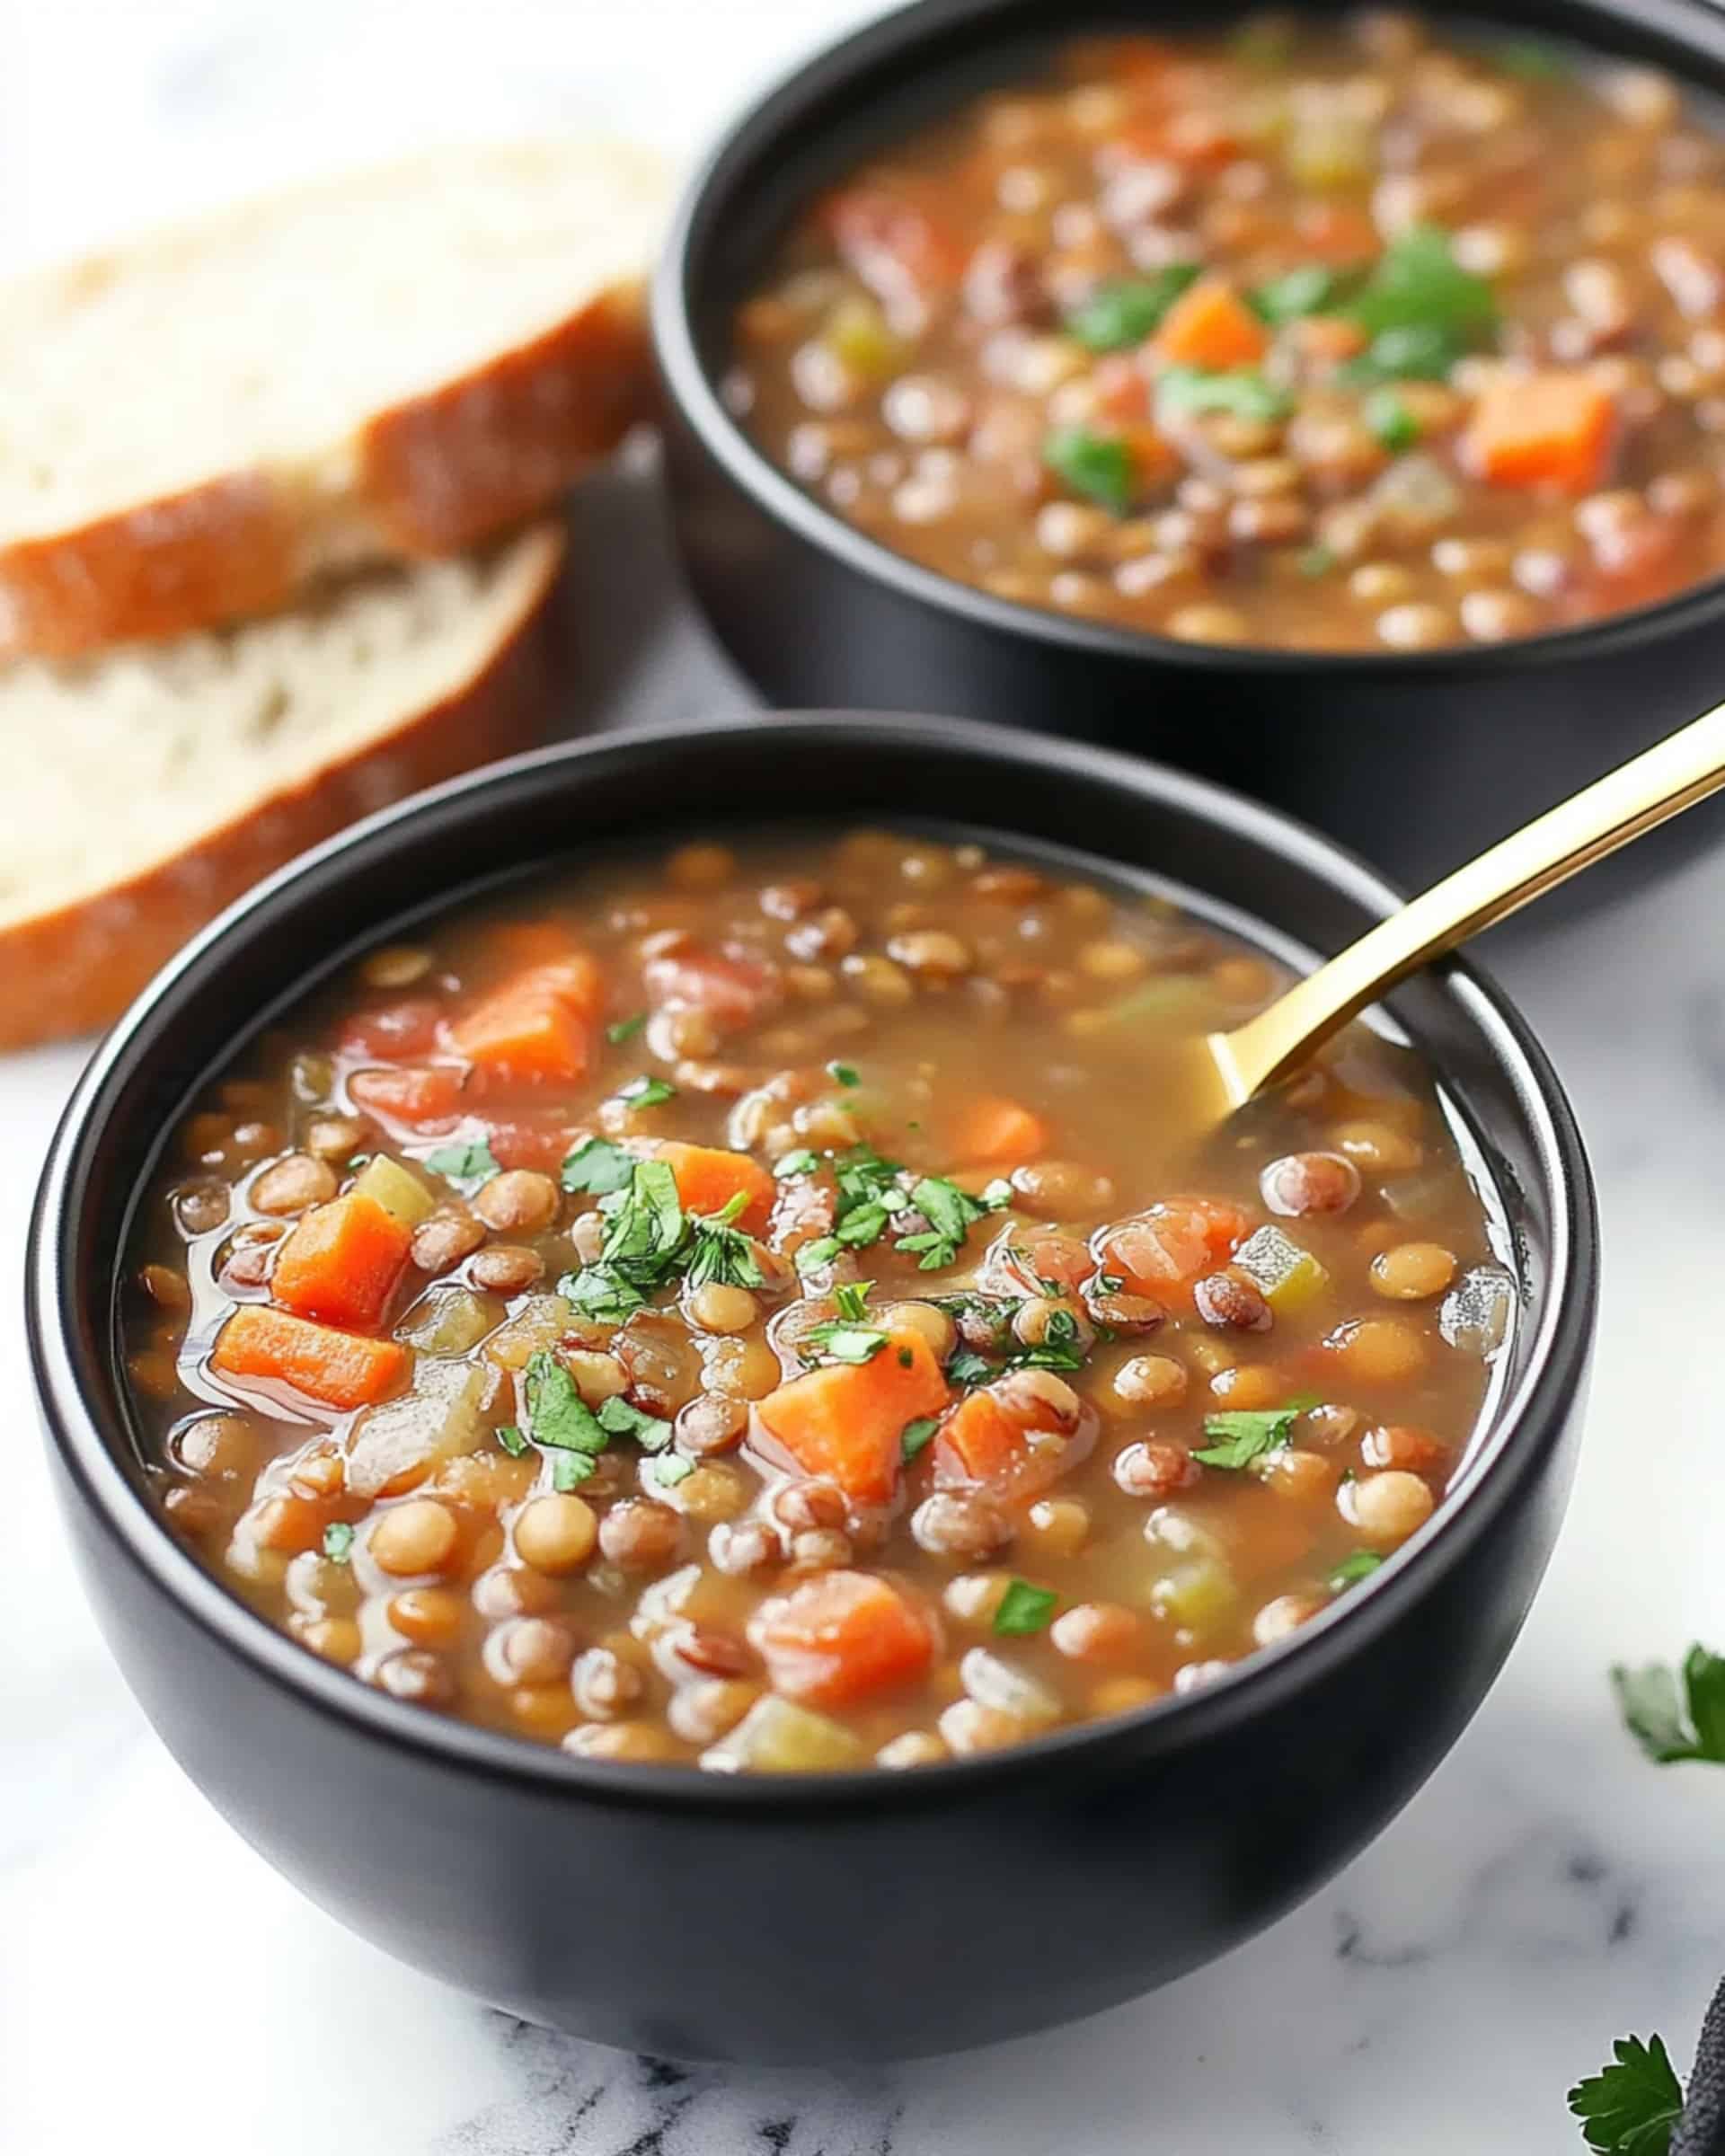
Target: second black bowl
column 826, row 1917
column 1417, row 761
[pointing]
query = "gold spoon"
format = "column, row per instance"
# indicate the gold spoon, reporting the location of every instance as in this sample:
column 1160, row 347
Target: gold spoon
column 1228, row 1068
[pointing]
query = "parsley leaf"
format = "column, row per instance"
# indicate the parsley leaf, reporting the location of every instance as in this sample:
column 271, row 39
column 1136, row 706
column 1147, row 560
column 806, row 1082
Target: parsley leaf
column 1024, row 1608
column 620, row 1418
column 1245, row 1435
column 850, row 1299
column 843, row 1073
column 950, row 1213
column 1307, row 290
column 646, row 1092
column 802, row 1161
column 560, row 1418
column 1124, row 310
column 602, row 1293
column 1357, row 1565
column 813, row 1255
column 1672, row 1716
column 1422, row 351
column 914, row 1436
column 722, row 1255
column 625, row 1029
column 475, row 1163
column 646, row 1226
column 1099, row 466
column 513, row 1438
column 967, row 1367
column 671, row 1470
column 1389, row 418
column 1242, row 391
column 598, row 1166
column 841, row 1342
column 1316, row 560
column 337, row 1539
column 569, row 1471
column 1418, row 284
column 1630, row 2106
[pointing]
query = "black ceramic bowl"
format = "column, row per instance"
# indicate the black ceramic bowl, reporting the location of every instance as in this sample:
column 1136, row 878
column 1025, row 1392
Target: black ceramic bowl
column 1416, row 761
column 854, row 1915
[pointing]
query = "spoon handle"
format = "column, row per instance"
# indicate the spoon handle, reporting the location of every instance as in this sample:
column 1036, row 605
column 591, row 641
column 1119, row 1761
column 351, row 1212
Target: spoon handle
column 1660, row 782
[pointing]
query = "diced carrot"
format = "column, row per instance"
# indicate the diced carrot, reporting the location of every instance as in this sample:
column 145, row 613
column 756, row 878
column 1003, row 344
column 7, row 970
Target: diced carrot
column 1172, row 1244
column 999, row 1438
column 1337, row 233
column 390, row 1031
column 1555, row 426
column 893, row 240
column 993, row 1130
column 840, row 1636
column 1121, row 387
column 845, row 1422
column 425, row 1096
column 340, row 1370
column 537, row 1026
column 1210, row 325
column 708, row 1178
column 1327, row 337
column 343, row 1262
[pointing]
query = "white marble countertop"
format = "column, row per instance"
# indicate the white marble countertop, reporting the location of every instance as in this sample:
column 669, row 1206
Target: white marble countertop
column 160, row 1990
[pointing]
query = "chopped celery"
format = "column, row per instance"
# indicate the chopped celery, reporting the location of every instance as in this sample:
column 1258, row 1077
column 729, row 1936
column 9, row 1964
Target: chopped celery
column 777, row 1736
column 1474, row 1315
column 1286, row 1276
column 448, row 1320
column 439, row 1418
column 857, row 334
column 1197, row 1594
column 539, row 1323
column 1331, row 149
column 1170, row 999
column 397, row 1190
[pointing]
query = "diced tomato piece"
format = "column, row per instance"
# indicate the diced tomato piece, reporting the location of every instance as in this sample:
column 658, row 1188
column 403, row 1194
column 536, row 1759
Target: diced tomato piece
column 842, row 1636
column 845, row 1422
column 342, row 1262
column 524, row 1144
column 393, row 1032
column 340, row 1370
column 537, row 1026
column 425, row 1096
column 708, row 1178
column 1003, row 1438
column 1171, row 1245
column 732, row 991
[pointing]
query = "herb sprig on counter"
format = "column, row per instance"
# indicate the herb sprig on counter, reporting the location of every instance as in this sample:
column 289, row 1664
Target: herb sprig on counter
column 1674, row 1714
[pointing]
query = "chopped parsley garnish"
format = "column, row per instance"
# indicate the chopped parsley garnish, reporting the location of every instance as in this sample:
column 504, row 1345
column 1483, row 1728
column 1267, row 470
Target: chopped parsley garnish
column 671, row 1470
column 1317, row 560
column 995, row 1197
column 1676, row 1715
column 474, row 1163
column 619, row 1418
column 1024, row 1609
column 843, row 1073
column 850, row 1299
column 601, row 1292
column 1421, row 352
column 1533, row 62
column 625, row 1029
column 1099, row 466
column 914, row 1436
column 968, row 1367
column 812, row 1256
column 1390, row 420
column 561, row 1419
column 1359, row 1564
column 720, row 1254
column 802, row 1161
column 1630, row 2106
column 569, row 1471
column 338, row 1541
column 841, row 1342
column 1242, row 391
column 950, row 1214
column 1308, row 290
column 1124, row 310
column 1418, row 279
column 1244, row 1434
column 357, row 1160
column 513, row 1438
column 646, row 1223
column 646, row 1092
column 597, row 1166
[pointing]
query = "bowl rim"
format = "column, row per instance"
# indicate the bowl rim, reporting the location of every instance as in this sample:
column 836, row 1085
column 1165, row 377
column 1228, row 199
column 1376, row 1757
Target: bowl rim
column 1524, row 1427
column 781, row 109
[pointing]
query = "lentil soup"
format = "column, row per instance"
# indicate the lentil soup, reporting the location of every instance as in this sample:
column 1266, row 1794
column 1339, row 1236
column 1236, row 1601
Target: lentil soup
column 1318, row 335
column 756, row 1308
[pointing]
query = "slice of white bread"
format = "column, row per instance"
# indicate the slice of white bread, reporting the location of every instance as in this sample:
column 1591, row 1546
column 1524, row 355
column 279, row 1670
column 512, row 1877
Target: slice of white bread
column 403, row 361
column 147, row 787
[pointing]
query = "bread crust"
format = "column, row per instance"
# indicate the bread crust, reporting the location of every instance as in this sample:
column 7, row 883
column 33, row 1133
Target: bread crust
column 75, row 968
column 456, row 464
